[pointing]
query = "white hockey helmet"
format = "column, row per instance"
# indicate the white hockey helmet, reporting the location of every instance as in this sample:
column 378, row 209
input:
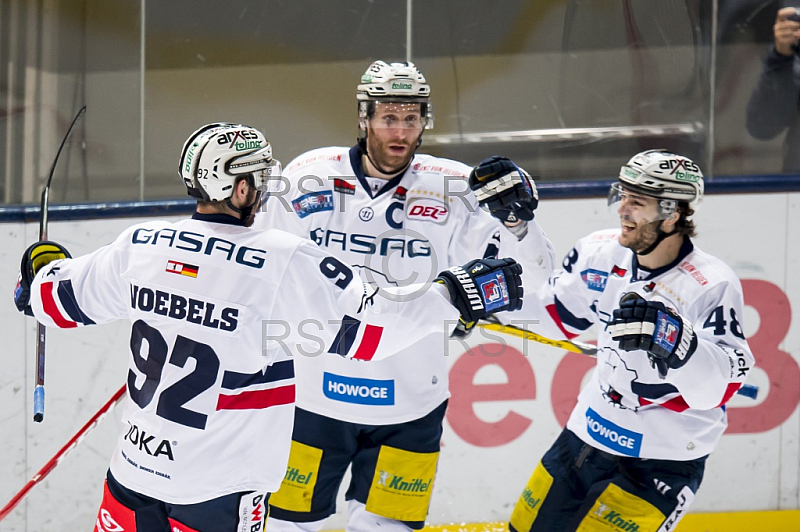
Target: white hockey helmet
column 393, row 83
column 215, row 155
column 664, row 175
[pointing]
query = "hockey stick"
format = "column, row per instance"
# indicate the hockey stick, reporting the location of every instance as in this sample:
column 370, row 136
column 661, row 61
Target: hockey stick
column 572, row 346
column 38, row 391
column 747, row 390
column 55, row 460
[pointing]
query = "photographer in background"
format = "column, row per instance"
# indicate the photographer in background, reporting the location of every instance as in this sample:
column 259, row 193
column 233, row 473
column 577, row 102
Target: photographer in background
column 774, row 105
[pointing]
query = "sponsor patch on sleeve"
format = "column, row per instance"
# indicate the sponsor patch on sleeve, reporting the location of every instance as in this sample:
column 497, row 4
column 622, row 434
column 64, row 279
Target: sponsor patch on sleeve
column 594, row 279
column 313, row 202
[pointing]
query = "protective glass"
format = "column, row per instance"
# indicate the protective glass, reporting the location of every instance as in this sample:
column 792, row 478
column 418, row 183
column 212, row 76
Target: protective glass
column 619, row 196
column 262, row 177
column 391, row 115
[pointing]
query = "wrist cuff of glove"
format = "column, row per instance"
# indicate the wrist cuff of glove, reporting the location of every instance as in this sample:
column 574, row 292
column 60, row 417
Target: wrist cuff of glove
column 463, row 293
column 685, row 348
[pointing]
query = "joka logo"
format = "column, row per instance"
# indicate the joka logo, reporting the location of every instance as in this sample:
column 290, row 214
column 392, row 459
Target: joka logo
column 401, row 86
column 530, row 501
column 616, row 519
column 145, row 443
column 396, row 482
column 358, row 391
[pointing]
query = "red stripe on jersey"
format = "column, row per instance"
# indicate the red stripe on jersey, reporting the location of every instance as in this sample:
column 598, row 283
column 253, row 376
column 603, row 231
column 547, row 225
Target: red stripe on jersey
column 177, row 526
column 551, row 309
column 52, row 310
column 369, row 343
column 676, row 404
column 258, row 399
column 729, row 391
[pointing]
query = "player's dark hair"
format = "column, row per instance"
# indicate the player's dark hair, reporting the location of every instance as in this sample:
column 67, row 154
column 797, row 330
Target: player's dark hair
column 685, row 226
column 251, row 180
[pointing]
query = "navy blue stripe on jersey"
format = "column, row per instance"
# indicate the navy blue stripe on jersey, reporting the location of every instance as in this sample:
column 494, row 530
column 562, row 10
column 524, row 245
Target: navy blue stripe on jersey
column 570, row 319
column 67, row 298
column 355, row 162
column 345, row 336
column 217, row 218
column 636, row 275
column 278, row 371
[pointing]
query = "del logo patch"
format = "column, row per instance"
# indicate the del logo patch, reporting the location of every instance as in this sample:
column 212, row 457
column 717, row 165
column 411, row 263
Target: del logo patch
column 611, row 435
column 427, row 210
column 313, row 202
column 358, row 391
column 594, row 279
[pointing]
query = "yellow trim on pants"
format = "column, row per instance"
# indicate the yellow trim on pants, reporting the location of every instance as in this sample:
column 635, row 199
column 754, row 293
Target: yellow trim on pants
column 783, row 520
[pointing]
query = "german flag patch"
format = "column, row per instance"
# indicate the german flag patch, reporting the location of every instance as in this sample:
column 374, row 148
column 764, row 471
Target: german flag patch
column 182, row 268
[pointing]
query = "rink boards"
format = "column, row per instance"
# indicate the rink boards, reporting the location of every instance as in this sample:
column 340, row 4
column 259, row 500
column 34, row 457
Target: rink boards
column 505, row 411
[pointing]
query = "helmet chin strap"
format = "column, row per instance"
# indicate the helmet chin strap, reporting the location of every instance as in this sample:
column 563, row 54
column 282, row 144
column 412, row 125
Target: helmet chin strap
column 243, row 212
column 660, row 236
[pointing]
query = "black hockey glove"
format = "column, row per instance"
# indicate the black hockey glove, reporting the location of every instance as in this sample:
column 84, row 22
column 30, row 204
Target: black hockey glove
column 34, row 259
column 482, row 287
column 651, row 326
column 505, row 189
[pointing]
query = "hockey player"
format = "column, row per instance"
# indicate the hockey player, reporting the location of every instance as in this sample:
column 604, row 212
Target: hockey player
column 219, row 311
column 670, row 354
column 399, row 217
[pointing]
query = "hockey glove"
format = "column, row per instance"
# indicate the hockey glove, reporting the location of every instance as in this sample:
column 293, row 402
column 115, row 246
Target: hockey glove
column 34, row 259
column 482, row 287
column 650, row 326
column 505, row 189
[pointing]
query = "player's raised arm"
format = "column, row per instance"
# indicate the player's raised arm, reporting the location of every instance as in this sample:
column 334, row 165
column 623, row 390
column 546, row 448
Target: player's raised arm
column 358, row 320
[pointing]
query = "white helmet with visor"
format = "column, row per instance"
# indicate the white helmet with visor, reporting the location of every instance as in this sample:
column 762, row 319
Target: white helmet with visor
column 663, row 175
column 400, row 83
column 215, row 155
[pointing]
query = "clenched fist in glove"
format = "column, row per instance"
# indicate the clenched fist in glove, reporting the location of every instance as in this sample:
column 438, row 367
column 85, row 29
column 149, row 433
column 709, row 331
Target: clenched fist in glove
column 505, row 189
column 651, row 326
column 34, row 259
column 482, row 287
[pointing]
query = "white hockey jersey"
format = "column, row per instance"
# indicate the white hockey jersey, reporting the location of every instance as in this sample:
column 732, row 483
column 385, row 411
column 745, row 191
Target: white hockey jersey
column 220, row 313
column 626, row 408
column 397, row 232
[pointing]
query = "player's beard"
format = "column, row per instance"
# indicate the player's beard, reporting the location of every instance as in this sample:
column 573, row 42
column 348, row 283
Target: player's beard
column 646, row 234
column 253, row 199
column 381, row 156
